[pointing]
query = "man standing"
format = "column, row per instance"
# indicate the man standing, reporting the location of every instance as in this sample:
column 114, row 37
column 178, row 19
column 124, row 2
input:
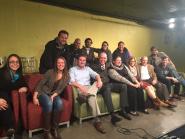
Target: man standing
column 75, row 50
column 53, row 49
column 80, row 78
column 89, row 51
column 101, row 67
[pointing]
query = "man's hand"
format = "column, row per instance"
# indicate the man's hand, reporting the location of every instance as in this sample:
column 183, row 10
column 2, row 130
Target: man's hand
column 83, row 90
column 154, row 82
column 22, row 89
column 3, row 104
column 99, row 84
column 175, row 80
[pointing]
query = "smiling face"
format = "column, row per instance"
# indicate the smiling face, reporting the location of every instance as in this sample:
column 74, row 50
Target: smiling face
column 117, row 62
column 144, row 61
column 165, row 62
column 14, row 63
column 60, row 64
column 77, row 43
column 121, row 46
column 105, row 46
column 88, row 43
column 63, row 38
column 132, row 62
column 103, row 58
column 154, row 51
column 81, row 61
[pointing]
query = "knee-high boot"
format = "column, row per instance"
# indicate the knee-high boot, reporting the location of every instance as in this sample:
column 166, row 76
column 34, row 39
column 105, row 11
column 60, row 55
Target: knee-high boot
column 47, row 127
column 54, row 129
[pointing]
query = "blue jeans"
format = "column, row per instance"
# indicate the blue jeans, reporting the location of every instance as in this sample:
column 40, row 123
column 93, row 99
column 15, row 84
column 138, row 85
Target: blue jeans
column 49, row 106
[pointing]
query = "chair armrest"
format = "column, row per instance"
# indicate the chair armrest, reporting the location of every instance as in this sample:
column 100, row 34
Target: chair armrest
column 75, row 94
column 68, row 94
column 15, row 103
column 24, row 108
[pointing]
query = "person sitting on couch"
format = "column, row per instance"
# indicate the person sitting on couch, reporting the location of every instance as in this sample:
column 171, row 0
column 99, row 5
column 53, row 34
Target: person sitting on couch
column 11, row 78
column 80, row 77
column 101, row 67
column 47, row 94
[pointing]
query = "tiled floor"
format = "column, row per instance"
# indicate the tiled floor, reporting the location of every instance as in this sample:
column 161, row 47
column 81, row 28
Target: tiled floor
column 156, row 123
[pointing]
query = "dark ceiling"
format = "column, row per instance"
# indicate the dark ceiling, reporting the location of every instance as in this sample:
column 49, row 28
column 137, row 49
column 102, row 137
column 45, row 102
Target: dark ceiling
column 145, row 12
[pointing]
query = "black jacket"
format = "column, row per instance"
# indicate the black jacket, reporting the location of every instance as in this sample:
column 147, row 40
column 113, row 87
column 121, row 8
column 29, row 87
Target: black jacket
column 6, row 84
column 103, row 73
column 50, row 54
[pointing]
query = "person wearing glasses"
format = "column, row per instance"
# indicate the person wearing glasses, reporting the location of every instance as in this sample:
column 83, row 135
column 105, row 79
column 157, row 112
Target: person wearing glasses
column 11, row 78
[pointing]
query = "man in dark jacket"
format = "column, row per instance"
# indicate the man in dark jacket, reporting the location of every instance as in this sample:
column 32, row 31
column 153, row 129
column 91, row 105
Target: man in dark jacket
column 53, row 49
column 101, row 67
column 88, row 51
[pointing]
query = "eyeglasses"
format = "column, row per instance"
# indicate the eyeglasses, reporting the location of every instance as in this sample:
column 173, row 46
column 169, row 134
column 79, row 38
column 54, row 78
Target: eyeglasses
column 132, row 61
column 13, row 62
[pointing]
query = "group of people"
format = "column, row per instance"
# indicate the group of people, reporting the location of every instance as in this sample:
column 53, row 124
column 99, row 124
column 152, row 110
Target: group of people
column 63, row 64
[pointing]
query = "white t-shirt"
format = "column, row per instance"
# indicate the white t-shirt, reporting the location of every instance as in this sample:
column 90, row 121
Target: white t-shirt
column 144, row 73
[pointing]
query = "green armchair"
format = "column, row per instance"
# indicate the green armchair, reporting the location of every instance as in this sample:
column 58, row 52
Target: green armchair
column 83, row 111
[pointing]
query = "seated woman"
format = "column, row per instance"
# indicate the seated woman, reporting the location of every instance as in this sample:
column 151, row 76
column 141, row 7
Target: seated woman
column 11, row 78
column 120, row 73
column 144, row 85
column 47, row 94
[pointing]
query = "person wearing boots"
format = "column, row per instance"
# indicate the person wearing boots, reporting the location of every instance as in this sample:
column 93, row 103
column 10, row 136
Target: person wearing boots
column 147, row 74
column 119, row 73
column 47, row 94
column 11, row 78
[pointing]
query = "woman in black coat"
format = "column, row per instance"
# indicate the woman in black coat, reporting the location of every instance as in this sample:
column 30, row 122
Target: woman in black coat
column 11, row 78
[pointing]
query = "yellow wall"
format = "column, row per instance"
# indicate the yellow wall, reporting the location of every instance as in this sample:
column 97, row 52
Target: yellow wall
column 25, row 27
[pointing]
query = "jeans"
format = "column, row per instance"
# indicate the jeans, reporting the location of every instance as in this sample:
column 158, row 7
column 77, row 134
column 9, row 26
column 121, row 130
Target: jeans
column 49, row 106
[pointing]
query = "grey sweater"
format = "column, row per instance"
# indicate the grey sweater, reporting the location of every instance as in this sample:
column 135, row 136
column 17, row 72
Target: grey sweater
column 47, row 83
column 113, row 74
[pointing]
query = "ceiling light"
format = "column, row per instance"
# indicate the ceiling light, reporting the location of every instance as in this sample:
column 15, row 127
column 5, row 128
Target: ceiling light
column 171, row 25
column 171, row 20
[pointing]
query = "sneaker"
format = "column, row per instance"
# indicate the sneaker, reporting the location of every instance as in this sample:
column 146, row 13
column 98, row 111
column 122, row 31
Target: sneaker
column 125, row 115
column 145, row 111
column 115, row 119
column 134, row 113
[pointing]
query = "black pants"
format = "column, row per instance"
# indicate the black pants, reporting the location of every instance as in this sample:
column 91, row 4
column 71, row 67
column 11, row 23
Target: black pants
column 6, row 116
column 169, row 83
column 116, row 87
column 142, row 105
column 132, row 98
column 161, row 89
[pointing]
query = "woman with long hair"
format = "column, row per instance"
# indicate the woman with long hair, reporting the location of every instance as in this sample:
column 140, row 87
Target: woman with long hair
column 47, row 94
column 11, row 78
column 145, row 85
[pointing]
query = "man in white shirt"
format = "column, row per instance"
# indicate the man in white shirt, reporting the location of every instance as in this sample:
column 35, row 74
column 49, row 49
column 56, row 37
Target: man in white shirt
column 147, row 73
column 80, row 78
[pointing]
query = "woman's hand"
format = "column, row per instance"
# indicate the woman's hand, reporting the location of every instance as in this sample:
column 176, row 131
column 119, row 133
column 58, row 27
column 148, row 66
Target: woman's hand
column 53, row 96
column 3, row 104
column 23, row 90
column 35, row 99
